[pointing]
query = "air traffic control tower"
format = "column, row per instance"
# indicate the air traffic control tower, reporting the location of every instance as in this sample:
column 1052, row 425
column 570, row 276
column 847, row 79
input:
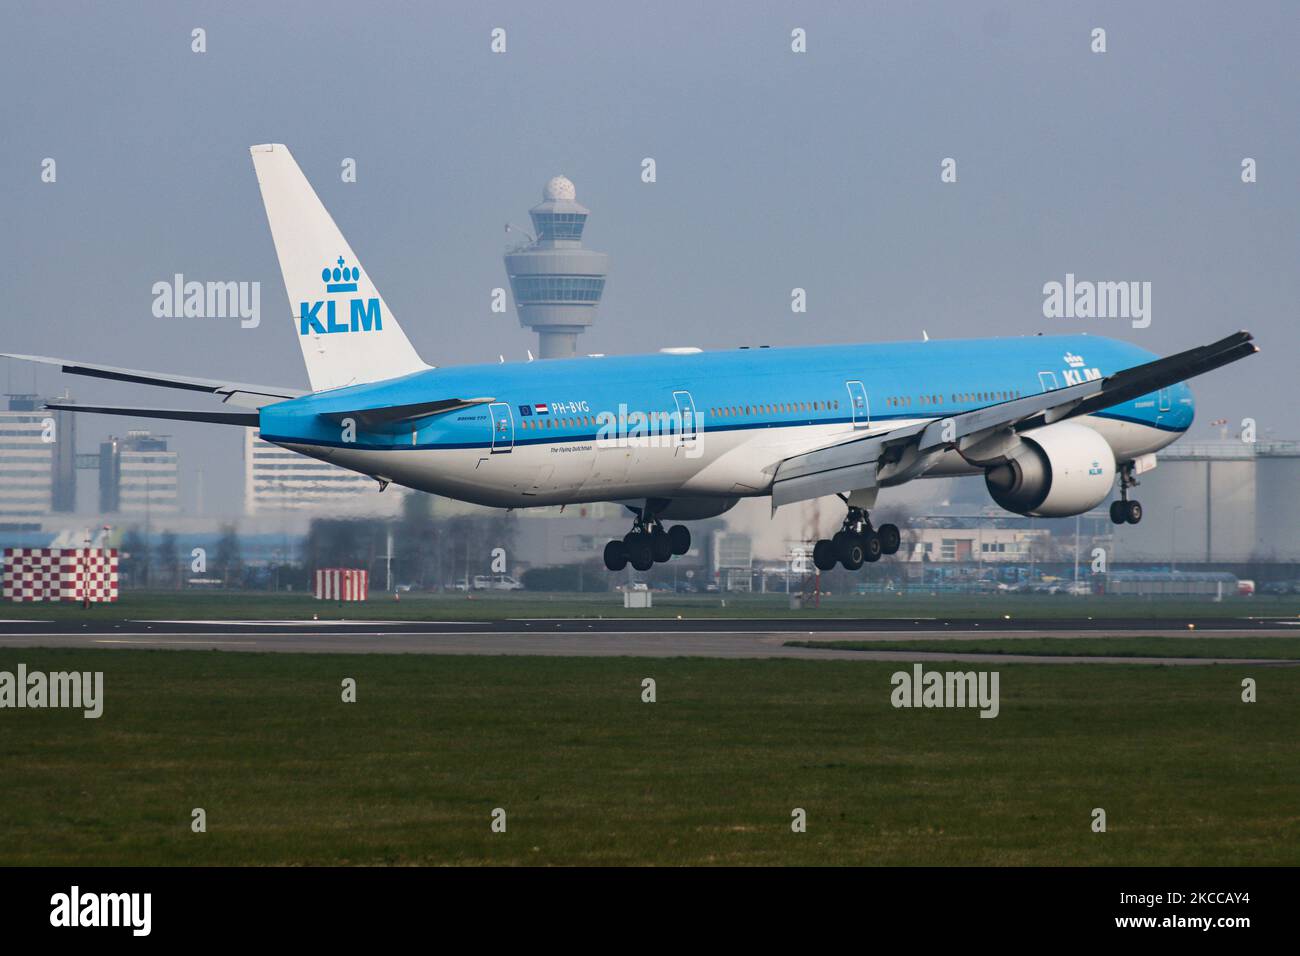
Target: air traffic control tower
column 556, row 283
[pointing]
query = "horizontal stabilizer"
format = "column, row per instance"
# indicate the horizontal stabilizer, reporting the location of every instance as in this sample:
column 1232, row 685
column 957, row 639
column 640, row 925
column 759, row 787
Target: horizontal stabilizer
column 249, row 419
column 373, row 418
column 248, row 396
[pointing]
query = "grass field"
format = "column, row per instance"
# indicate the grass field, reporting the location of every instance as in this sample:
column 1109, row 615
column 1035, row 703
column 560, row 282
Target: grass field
column 587, row 773
column 478, row 606
column 1274, row 648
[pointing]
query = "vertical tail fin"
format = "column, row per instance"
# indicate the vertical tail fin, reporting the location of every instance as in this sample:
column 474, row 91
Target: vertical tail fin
column 347, row 333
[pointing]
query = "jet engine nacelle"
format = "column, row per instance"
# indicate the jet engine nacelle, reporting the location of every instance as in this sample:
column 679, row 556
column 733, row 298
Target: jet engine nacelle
column 1056, row 471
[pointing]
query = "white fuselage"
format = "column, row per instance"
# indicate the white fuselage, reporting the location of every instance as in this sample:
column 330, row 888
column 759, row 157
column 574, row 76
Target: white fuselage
column 718, row 464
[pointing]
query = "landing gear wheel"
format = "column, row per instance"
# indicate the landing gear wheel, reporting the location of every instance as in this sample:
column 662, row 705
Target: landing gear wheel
column 824, row 555
column 661, row 546
column 616, row 555
column 1132, row 512
column 851, row 553
column 841, row 542
column 1125, row 511
column 1117, row 512
column 639, row 553
column 872, row 546
column 647, row 543
column 889, row 538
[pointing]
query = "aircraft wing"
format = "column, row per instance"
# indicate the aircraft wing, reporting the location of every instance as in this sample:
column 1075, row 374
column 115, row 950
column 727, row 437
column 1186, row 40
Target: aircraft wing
column 984, row 434
column 233, row 393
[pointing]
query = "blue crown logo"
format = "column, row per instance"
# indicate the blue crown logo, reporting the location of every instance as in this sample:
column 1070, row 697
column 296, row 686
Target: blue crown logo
column 340, row 278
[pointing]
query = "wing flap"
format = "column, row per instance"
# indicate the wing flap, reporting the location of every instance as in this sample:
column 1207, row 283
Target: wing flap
column 832, row 480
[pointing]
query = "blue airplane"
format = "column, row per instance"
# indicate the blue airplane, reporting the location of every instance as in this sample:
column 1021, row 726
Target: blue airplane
column 1050, row 422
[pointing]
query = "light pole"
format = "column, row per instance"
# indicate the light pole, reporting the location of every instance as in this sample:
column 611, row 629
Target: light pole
column 85, row 591
column 388, row 563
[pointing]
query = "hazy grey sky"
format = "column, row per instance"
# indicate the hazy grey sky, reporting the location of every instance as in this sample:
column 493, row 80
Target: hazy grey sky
column 775, row 170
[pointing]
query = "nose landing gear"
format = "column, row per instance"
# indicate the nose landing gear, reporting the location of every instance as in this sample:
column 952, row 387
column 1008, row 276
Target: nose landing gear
column 648, row 543
column 1125, row 511
column 856, row 543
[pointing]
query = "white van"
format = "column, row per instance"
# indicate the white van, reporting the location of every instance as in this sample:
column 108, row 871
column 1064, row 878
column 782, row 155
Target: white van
column 496, row 582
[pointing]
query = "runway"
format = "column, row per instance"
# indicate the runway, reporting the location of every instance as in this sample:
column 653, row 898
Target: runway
column 836, row 628
column 715, row 638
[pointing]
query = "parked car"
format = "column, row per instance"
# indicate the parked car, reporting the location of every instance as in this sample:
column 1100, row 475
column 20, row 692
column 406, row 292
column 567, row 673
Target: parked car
column 1282, row 588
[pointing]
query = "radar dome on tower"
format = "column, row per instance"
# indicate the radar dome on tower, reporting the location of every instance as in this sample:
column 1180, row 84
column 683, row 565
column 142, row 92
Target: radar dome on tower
column 560, row 189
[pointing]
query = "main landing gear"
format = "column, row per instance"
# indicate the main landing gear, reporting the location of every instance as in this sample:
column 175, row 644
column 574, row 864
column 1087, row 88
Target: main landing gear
column 648, row 543
column 1125, row 511
column 856, row 543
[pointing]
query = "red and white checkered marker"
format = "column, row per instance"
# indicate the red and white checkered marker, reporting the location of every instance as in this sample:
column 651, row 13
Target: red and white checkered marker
column 60, row 574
